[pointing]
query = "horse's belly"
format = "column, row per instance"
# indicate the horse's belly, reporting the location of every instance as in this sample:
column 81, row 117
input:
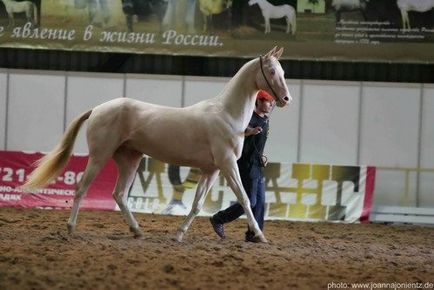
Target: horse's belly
column 421, row 7
column 176, row 151
column 21, row 8
column 282, row 11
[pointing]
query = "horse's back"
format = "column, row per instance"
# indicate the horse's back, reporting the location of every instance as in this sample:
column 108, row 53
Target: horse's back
column 282, row 11
column 416, row 5
column 130, row 112
column 173, row 135
column 144, row 108
column 289, row 9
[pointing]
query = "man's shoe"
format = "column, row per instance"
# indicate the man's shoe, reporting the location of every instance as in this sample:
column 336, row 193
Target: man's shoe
column 218, row 228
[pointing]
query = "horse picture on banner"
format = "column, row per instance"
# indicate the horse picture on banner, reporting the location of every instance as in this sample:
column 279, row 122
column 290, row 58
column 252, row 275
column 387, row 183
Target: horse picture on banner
column 270, row 11
column 209, row 135
column 406, row 6
column 27, row 7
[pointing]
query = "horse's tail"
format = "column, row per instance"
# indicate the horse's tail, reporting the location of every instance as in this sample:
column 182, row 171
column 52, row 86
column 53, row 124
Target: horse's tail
column 52, row 164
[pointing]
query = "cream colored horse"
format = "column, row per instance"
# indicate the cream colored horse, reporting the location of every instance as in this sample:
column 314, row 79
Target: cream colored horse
column 208, row 135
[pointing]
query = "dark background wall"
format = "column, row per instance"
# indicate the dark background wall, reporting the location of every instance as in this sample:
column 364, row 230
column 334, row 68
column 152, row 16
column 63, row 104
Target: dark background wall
column 208, row 66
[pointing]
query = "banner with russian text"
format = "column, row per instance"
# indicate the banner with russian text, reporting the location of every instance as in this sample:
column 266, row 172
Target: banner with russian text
column 375, row 30
column 16, row 166
column 307, row 192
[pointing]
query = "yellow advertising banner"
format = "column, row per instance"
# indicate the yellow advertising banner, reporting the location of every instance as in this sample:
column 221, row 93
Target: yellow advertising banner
column 375, row 30
column 307, row 192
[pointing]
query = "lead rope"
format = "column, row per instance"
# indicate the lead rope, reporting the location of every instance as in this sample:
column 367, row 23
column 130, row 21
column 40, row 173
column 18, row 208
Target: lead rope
column 268, row 84
column 266, row 80
column 268, row 115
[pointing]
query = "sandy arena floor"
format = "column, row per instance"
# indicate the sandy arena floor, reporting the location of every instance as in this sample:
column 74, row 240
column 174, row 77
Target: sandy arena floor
column 37, row 253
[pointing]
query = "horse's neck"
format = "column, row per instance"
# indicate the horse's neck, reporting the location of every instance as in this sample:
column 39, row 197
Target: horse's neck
column 238, row 97
column 7, row 3
column 263, row 4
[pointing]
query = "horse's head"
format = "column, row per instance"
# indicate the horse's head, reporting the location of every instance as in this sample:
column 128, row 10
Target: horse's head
column 253, row 2
column 271, row 77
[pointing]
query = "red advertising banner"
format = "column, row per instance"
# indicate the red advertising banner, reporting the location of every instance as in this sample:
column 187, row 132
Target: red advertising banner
column 16, row 166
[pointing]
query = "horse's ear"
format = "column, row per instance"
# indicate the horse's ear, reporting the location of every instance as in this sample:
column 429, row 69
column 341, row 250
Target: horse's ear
column 278, row 53
column 271, row 52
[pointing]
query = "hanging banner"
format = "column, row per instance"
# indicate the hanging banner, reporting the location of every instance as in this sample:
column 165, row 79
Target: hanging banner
column 305, row 192
column 361, row 30
column 16, row 166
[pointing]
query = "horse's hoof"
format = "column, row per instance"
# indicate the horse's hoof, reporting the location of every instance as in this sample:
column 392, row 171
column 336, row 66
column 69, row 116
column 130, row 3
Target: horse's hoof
column 138, row 234
column 256, row 239
column 259, row 239
column 71, row 228
column 179, row 236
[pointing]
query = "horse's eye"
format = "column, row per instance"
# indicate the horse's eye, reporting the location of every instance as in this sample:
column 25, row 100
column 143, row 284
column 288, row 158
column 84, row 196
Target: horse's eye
column 272, row 72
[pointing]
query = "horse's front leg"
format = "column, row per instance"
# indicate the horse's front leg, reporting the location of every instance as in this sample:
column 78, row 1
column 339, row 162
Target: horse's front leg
column 205, row 183
column 232, row 175
column 267, row 25
column 403, row 19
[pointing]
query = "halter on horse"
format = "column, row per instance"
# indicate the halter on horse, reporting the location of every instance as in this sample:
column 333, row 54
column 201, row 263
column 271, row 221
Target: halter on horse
column 209, row 135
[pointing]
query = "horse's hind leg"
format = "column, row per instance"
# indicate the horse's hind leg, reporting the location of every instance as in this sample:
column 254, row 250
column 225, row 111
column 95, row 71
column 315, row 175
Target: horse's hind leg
column 29, row 15
column 288, row 24
column 11, row 20
column 205, row 183
column 129, row 18
column 127, row 161
column 92, row 169
column 407, row 21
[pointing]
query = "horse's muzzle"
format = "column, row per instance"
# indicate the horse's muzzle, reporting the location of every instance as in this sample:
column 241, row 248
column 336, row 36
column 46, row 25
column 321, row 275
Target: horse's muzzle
column 284, row 101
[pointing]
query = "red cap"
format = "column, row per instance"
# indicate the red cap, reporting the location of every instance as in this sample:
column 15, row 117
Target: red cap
column 263, row 95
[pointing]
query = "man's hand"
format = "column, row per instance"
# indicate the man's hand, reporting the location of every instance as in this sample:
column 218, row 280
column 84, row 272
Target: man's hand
column 252, row 131
column 264, row 160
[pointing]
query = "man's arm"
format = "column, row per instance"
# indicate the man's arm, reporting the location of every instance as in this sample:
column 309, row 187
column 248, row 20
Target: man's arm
column 252, row 131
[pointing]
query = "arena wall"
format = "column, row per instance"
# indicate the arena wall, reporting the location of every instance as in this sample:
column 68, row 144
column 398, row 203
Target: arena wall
column 387, row 125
